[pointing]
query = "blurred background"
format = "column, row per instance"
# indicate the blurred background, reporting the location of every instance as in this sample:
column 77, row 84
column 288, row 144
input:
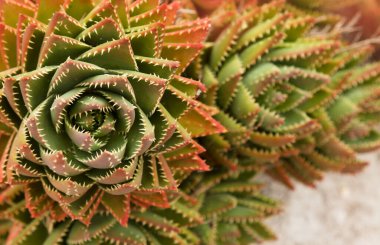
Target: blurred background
column 362, row 15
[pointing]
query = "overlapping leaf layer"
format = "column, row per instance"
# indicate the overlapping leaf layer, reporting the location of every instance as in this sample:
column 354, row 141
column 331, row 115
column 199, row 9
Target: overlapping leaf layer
column 153, row 226
column 233, row 210
column 232, row 206
column 96, row 113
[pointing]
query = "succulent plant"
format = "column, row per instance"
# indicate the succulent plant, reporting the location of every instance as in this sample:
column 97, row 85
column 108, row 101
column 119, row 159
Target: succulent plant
column 95, row 113
column 106, row 133
column 296, row 101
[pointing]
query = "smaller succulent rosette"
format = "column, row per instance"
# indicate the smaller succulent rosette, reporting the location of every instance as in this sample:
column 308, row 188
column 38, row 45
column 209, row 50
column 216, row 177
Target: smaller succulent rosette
column 94, row 105
column 296, row 100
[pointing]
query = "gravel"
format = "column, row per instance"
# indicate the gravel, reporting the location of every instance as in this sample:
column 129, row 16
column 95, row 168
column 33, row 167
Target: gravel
column 342, row 210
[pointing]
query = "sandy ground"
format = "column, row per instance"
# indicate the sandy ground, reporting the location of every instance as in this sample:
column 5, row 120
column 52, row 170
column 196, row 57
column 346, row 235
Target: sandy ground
column 342, row 210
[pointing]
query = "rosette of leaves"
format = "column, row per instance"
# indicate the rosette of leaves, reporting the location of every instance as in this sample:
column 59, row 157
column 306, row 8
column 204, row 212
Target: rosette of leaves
column 94, row 109
column 295, row 101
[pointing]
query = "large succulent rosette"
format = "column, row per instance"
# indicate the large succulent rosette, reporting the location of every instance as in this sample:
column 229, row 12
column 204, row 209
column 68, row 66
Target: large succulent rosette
column 95, row 110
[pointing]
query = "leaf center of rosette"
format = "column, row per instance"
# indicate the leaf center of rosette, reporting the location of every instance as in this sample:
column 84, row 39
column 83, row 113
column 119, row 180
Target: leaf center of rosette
column 90, row 121
column 94, row 114
column 87, row 119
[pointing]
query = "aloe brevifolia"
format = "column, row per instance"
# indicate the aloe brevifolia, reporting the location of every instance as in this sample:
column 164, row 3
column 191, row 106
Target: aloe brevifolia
column 95, row 113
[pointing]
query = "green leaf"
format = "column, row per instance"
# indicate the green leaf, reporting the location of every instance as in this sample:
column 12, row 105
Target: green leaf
column 57, row 49
column 116, row 54
column 59, row 233
column 79, row 233
column 63, row 25
column 104, row 31
column 216, row 204
column 118, row 206
column 70, row 74
column 243, row 106
column 35, row 232
column 34, row 86
column 61, row 163
column 184, row 53
column 126, row 235
column 42, row 129
column 148, row 89
column 241, row 215
column 11, row 9
column 147, row 42
column 79, row 8
column 106, row 157
column 47, row 8
column 8, row 46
